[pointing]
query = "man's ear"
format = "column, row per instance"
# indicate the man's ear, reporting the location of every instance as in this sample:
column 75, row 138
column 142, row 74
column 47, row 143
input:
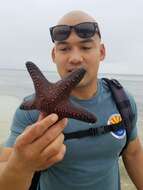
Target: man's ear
column 53, row 54
column 102, row 52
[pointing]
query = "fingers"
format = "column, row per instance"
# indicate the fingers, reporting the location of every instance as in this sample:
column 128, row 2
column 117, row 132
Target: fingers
column 54, row 159
column 36, row 130
column 44, row 124
column 50, row 135
column 41, row 144
column 53, row 148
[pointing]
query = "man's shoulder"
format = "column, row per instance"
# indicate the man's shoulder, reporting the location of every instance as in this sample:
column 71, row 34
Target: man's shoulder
column 28, row 115
column 132, row 101
column 29, row 97
column 130, row 96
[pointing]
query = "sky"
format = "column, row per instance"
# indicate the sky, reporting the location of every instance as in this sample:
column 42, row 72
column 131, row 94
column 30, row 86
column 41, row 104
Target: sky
column 24, row 32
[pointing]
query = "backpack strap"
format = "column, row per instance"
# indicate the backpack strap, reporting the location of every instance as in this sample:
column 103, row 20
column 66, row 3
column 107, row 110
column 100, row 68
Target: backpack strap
column 35, row 181
column 123, row 104
column 94, row 131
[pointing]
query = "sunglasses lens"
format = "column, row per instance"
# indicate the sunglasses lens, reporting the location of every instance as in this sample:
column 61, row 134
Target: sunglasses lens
column 60, row 33
column 85, row 30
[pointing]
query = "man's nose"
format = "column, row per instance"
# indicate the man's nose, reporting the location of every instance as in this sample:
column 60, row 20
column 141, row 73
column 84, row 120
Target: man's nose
column 75, row 57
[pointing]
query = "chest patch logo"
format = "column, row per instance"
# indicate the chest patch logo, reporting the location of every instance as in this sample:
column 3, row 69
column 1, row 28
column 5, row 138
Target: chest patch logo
column 113, row 119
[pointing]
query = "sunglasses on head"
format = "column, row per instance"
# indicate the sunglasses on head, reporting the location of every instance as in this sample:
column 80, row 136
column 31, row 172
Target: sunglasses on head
column 83, row 30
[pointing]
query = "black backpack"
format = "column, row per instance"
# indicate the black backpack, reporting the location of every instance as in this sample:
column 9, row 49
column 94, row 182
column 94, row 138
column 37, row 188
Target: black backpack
column 125, row 110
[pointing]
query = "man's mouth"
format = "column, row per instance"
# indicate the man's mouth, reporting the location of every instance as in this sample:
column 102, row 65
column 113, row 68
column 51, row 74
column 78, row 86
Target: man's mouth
column 73, row 69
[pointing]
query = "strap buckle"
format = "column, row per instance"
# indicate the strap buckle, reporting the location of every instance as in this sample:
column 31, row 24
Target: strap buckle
column 92, row 131
column 96, row 131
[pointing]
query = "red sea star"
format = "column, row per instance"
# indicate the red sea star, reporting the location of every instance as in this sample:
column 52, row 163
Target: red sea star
column 54, row 97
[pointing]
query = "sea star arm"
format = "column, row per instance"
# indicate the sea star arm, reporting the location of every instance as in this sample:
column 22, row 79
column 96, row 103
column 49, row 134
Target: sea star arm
column 38, row 78
column 71, row 80
column 70, row 111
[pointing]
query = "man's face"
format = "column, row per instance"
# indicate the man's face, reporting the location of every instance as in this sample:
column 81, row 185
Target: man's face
column 75, row 52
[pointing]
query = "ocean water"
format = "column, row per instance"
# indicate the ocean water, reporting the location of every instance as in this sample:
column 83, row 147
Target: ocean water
column 18, row 84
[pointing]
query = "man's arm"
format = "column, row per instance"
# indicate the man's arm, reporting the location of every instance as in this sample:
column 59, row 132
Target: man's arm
column 133, row 161
column 11, row 177
column 37, row 148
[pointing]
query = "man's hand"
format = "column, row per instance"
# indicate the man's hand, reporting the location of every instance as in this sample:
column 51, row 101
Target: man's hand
column 40, row 145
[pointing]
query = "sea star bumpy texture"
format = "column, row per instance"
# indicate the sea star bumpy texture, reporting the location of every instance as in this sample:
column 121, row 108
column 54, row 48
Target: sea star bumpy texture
column 54, row 97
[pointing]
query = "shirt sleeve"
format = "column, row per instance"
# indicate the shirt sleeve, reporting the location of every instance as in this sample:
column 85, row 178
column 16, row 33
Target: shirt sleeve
column 133, row 134
column 21, row 120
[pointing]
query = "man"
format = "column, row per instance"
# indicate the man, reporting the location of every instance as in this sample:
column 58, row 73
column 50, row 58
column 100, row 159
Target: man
column 81, row 164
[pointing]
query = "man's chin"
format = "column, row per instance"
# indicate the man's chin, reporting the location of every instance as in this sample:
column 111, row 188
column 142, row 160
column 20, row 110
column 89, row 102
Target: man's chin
column 81, row 84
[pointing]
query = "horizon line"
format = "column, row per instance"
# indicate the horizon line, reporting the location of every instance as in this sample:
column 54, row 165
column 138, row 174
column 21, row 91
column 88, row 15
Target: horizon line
column 20, row 69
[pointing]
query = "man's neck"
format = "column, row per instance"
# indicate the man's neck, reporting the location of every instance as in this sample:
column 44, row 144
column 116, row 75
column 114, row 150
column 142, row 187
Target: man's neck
column 85, row 93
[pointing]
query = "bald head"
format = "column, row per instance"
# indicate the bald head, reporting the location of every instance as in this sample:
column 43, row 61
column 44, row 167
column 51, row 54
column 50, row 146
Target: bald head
column 75, row 22
column 75, row 17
